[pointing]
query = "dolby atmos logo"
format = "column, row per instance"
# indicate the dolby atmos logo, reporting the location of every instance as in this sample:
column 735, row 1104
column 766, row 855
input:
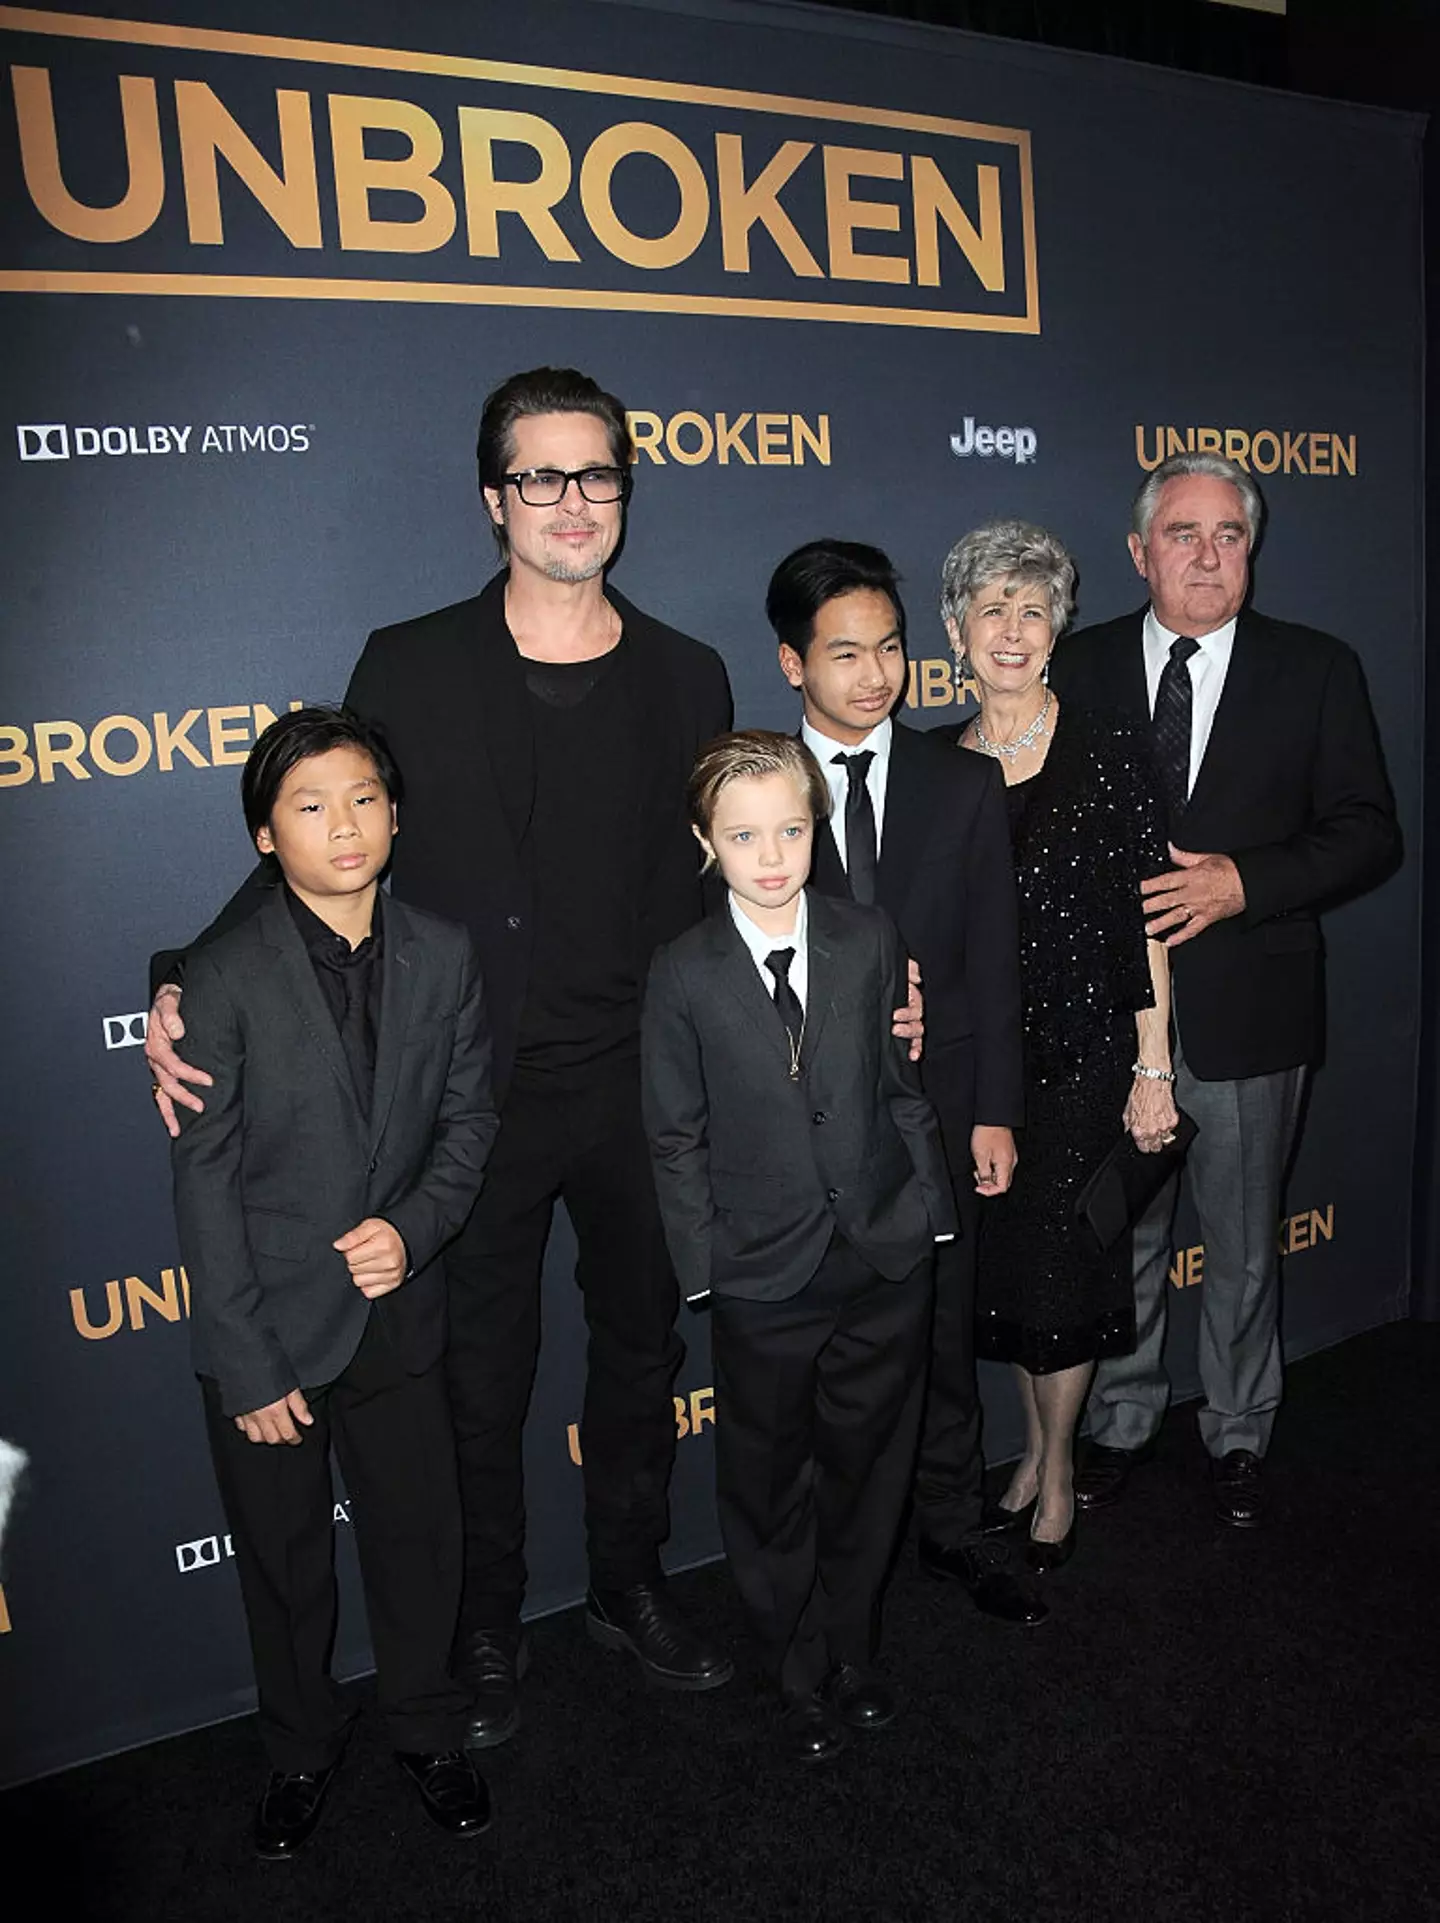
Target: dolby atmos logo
column 61, row 441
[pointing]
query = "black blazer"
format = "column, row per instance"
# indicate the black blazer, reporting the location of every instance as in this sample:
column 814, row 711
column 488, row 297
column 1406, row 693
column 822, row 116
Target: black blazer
column 1293, row 788
column 449, row 690
column 755, row 1171
column 946, row 878
column 283, row 1159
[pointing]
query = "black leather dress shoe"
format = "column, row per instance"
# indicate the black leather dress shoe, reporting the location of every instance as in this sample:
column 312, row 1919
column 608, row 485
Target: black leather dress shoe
column 1042, row 1557
column 643, row 1620
column 993, row 1590
column 860, row 1698
column 1102, row 1476
column 997, row 1520
column 1237, row 1490
column 490, row 1664
column 452, row 1791
column 287, row 1813
column 810, row 1730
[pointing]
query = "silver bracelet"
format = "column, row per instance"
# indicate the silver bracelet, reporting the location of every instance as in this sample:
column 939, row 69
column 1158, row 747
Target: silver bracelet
column 1152, row 1074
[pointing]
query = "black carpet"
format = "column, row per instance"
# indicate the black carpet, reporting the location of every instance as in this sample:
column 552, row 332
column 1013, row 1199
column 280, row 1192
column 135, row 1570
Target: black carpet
column 1212, row 1725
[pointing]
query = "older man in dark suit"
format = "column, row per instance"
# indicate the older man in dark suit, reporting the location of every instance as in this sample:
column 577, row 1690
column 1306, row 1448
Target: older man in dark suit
column 1279, row 806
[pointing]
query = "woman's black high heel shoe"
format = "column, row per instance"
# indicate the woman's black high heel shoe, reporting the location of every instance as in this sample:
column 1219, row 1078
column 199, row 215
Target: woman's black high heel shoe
column 997, row 1520
column 1042, row 1557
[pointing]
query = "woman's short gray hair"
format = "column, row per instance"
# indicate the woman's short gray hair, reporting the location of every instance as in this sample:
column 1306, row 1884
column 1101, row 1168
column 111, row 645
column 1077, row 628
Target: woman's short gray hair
column 1217, row 468
column 1015, row 550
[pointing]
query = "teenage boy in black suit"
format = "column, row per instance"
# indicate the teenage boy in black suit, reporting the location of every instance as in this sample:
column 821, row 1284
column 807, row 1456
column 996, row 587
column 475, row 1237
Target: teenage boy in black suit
column 921, row 829
column 340, row 1147
column 802, row 1181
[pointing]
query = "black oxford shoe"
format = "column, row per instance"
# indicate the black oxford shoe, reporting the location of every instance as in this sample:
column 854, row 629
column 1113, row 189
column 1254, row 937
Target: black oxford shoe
column 810, row 1730
column 491, row 1664
column 860, row 1698
column 643, row 1620
column 452, row 1791
column 289, row 1810
column 1236, row 1488
column 1102, row 1476
column 993, row 1590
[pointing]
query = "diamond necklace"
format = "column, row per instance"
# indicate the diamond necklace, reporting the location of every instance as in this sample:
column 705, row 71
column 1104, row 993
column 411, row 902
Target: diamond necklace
column 1009, row 749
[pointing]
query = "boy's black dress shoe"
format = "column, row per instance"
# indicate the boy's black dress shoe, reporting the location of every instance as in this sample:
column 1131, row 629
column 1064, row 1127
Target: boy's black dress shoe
column 287, row 1813
column 1236, row 1488
column 860, row 1698
column 491, row 1664
column 1102, row 1476
column 810, row 1730
column 993, row 1590
column 452, row 1790
column 643, row 1620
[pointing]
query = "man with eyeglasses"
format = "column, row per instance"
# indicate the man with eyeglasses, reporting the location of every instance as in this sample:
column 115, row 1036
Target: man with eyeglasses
column 546, row 728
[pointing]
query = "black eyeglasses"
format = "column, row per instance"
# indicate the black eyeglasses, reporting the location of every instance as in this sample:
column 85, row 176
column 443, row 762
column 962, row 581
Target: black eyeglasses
column 545, row 486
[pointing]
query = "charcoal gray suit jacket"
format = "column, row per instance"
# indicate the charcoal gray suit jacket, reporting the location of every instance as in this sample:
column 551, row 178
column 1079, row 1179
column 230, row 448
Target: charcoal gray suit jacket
column 755, row 1171
column 284, row 1159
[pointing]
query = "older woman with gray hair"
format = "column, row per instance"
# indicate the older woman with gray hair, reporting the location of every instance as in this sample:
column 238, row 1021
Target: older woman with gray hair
column 1087, row 824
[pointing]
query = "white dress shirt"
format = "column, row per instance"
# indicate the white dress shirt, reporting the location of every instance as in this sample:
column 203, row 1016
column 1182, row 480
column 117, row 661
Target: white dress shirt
column 838, row 778
column 1208, row 667
column 762, row 944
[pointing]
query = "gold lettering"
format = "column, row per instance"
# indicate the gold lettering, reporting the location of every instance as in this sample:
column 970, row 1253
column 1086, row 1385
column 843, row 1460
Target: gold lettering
column 742, row 206
column 291, row 198
column 702, row 1409
column 358, row 175
column 843, row 214
column 1271, row 460
column 1295, row 453
column 597, row 169
column 690, row 457
column 1322, row 1224
column 983, row 248
column 1144, row 459
column 770, row 439
column 1175, row 442
column 682, row 1418
column 120, row 724
column 60, row 744
column 572, row 1436
column 229, row 735
column 80, row 1315
column 937, row 684
column 646, row 431
column 1344, row 449
column 166, row 1302
column 1237, row 446
column 168, row 739
column 817, row 441
column 40, row 159
column 264, row 716
column 1320, row 454
column 5, row 1623
column 1188, row 1268
column 15, row 753
column 729, row 437
column 1208, row 440
column 486, row 198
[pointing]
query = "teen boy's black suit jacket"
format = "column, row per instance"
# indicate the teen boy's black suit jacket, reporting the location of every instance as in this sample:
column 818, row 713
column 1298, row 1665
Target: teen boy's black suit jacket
column 947, row 880
column 754, row 1171
column 449, row 690
column 1293, row 788
column 283, row 1159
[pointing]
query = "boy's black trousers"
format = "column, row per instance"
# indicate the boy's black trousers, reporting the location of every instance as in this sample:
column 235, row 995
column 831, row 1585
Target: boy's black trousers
column 391, row 1432
column 818, row 1401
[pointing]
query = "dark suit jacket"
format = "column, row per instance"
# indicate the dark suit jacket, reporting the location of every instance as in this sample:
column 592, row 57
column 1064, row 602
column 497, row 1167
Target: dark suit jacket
column 1293, row 788
column 755, row 1171
column 283, row 1159
column 449, row 690
column 947, row 880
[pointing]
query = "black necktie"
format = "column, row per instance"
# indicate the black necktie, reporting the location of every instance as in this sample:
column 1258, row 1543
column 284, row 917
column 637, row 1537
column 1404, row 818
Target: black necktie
column 859, row 826
column 787, row 1002
column 1171, row 727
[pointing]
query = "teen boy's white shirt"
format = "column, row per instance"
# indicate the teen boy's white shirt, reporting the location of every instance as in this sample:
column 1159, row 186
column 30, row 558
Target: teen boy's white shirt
column 837, row 777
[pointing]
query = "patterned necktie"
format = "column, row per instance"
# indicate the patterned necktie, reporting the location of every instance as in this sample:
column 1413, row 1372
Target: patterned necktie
column 1171, row 727
column 859, row 826
column 787, row 1002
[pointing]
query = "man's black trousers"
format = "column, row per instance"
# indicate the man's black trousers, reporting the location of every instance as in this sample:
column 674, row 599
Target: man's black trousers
column 579, row 1141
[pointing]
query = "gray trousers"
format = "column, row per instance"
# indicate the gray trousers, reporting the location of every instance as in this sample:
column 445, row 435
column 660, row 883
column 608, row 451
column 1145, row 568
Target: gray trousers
column 1236, row 1166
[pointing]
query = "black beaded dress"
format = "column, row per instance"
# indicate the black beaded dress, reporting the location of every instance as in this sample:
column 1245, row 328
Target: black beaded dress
column 1086, row 829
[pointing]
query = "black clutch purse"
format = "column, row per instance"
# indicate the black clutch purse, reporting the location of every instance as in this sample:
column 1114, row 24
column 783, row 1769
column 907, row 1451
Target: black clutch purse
column 1116, row 1194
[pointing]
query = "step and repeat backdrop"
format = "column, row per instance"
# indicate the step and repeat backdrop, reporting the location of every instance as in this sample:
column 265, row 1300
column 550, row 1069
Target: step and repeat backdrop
column 851, row 279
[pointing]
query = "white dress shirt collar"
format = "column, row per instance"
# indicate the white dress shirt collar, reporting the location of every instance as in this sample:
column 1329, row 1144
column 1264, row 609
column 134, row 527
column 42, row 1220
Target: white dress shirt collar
column 837, row 778
column 762, row 944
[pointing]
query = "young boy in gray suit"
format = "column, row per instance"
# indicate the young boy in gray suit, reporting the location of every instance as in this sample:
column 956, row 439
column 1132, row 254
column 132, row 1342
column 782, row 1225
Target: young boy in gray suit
column 802, row 1187
column 340, row 1147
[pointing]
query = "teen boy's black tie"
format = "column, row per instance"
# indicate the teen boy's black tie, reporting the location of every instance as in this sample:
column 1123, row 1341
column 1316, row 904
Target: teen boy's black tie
column 787, row 1002
column 859, row 826
column 1172, row 723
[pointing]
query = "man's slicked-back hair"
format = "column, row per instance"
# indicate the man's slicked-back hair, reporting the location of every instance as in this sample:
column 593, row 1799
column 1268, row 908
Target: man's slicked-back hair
column 750, row 754
column 299, row 736
column 545, row 390
column 820, row 572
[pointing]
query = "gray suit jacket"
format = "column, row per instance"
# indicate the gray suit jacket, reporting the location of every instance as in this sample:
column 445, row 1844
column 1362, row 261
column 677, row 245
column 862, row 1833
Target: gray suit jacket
column 283, row 1159
column 755, row 1171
